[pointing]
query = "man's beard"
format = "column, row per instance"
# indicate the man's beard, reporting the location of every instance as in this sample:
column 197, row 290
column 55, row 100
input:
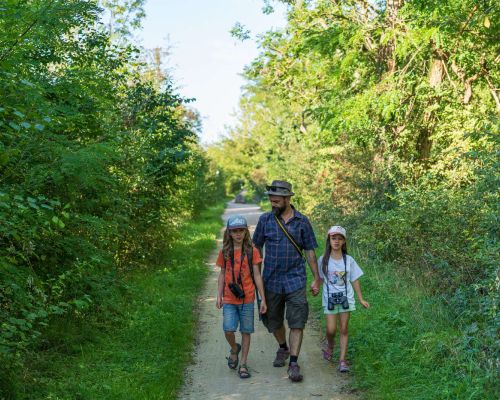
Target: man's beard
column 278, row 210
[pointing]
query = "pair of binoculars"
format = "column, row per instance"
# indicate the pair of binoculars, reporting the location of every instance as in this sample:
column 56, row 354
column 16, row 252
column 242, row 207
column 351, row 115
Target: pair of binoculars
column 236, row 290
column 338, row 298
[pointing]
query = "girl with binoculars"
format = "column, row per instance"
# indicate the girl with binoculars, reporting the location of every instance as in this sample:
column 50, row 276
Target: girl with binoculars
column 339, row 273
column 238, row 280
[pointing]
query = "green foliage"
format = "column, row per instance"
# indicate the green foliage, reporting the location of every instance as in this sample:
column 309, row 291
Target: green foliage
column 98, row 169
column 140, row 349
column 122, row 16
column 239, row 32
column 384, row 116
column 409, row 336
column 418, row 341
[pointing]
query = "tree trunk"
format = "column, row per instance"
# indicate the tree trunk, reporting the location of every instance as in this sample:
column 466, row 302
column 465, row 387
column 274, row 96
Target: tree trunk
column 424, row 142
column 391, row 17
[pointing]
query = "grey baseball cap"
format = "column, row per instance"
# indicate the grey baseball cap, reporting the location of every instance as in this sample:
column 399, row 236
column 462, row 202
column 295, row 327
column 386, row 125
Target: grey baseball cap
column 279, row 188
column 236, row 221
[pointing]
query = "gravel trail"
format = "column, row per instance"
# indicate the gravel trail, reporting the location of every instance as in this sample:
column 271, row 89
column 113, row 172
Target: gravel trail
column 209, row 378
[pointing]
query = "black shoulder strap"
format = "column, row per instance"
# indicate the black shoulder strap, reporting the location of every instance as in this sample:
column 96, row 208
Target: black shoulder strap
column 250, row 260
column 231, row 259
column 289, row 236
column 232, row 264
column 250, row 263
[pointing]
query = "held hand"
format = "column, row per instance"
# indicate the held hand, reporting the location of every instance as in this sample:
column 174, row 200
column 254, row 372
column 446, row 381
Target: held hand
column 365, row 304
column 315, row 286
column 263, row 307
column 218, row 304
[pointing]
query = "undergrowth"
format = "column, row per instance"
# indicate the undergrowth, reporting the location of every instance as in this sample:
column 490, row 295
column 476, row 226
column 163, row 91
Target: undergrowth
column 140, row 350
column 409, row 344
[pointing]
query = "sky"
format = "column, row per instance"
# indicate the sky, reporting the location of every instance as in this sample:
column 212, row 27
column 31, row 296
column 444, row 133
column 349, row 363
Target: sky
column 205, row 61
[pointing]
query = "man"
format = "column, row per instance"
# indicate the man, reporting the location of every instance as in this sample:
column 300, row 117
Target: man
column 284, row 273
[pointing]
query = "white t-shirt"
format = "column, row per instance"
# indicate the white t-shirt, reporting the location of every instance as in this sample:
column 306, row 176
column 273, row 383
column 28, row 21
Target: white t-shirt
column 335, row 279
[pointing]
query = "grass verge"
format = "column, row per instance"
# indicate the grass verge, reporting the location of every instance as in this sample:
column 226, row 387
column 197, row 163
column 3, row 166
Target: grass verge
column 144, row 353
column 407, row 346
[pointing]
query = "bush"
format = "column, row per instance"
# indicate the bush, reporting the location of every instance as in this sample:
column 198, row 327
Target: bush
column 99, row 166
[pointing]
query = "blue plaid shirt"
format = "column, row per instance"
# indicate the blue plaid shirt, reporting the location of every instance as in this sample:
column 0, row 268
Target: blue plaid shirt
column 284, row 269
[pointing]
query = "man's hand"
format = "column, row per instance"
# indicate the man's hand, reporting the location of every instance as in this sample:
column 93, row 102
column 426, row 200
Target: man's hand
column 311, row 259
column 263, row 307
column 315, row 285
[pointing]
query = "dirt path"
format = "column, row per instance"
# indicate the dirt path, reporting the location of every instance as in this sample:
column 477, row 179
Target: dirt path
column 210, row 378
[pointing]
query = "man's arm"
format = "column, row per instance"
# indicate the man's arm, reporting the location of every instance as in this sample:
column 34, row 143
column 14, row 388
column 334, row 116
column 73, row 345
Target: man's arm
column 258, row 238
column 260, row 252
column 313, row 264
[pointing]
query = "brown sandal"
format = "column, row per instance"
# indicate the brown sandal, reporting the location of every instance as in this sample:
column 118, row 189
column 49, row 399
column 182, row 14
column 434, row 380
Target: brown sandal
column 233, row 363
column 243, row 374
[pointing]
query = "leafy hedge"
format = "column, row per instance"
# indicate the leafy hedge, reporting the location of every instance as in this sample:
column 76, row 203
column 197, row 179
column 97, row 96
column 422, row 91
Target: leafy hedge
column 384, row 116
column 98, row 168
column 446, row 239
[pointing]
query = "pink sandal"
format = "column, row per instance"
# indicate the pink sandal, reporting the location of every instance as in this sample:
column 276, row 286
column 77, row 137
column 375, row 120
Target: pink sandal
column 327, row 353
column 343, row 366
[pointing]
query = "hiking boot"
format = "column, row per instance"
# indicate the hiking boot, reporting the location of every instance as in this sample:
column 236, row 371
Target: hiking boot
column 281, row 356
column 343, row 367
column 294, row 372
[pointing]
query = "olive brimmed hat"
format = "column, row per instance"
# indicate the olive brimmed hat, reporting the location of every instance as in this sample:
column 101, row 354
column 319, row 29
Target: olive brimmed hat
column 279, row 188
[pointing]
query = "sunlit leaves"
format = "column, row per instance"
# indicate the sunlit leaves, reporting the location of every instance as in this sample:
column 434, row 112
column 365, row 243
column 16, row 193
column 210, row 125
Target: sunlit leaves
column 238, row 31
column 98, row 166
column 384, row 123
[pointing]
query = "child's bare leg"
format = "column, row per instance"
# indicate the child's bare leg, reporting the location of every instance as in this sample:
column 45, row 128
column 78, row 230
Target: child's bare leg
column 344, row 322
column 331, row 327
column 245, row 347
column 231, row 339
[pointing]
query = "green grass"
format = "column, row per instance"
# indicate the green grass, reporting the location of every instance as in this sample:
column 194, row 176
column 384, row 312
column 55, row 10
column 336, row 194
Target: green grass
column 144, row 353
column 407, row 345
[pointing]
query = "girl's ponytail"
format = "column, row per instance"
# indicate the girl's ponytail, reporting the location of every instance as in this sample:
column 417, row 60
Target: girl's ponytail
column 326, row 256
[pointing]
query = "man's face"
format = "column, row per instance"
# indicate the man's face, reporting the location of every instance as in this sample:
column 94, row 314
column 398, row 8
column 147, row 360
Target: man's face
column 279, row 204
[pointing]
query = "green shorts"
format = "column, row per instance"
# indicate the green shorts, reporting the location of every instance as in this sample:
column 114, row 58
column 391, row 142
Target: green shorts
column 297, row 310
column 338, row 309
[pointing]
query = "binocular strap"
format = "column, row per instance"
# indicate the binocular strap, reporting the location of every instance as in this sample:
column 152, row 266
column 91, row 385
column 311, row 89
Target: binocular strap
column 344, row 257
column 239, row 282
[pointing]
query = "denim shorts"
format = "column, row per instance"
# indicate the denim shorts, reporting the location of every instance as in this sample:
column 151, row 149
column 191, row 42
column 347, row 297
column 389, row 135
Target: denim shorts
column 235, row 314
